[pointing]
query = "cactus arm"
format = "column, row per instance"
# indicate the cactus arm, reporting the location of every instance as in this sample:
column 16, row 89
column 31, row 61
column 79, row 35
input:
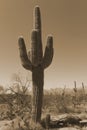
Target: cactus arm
column 48, row 55
column 23, row 55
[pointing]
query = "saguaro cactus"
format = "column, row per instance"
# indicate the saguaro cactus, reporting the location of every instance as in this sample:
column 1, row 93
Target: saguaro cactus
column 36, row 62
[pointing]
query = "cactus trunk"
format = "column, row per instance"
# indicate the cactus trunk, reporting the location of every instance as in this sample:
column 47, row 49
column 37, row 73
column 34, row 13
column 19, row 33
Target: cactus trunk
column 36, row 63
column 38, row 81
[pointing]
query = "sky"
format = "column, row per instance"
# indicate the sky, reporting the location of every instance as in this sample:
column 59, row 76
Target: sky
column 66, row 20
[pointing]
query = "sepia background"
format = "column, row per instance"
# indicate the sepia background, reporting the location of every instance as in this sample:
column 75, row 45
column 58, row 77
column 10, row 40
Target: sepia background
column 66, row 20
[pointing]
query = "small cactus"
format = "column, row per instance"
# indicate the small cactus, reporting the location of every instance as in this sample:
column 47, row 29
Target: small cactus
column 36, row 62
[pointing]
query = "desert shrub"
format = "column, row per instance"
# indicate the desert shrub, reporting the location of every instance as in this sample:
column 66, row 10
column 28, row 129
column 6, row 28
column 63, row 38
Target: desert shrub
column 17, row 97
column 63, row 100
column 55, row 101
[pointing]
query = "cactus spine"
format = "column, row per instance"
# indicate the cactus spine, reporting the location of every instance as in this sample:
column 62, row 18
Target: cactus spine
column 36, row 62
